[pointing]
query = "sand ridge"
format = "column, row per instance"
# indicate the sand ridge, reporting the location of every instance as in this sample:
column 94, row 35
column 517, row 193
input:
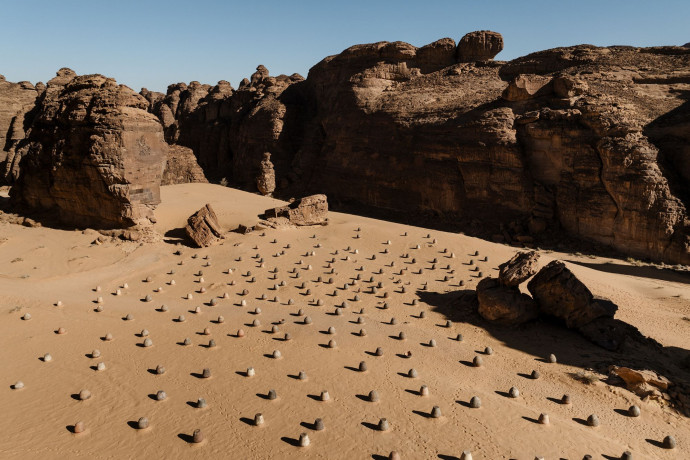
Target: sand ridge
column 352, row 251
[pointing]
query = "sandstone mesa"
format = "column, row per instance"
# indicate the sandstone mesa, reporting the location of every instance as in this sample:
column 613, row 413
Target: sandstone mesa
column 584, row 140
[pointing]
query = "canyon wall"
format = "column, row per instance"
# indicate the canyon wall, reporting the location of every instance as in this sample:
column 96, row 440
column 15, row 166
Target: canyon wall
column 583, row 141
column 589, row 141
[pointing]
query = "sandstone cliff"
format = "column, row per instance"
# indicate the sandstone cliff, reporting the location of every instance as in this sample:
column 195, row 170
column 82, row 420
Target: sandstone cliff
column 93, row 155
column 585, row 141
column 590, row 141
column 17, row 101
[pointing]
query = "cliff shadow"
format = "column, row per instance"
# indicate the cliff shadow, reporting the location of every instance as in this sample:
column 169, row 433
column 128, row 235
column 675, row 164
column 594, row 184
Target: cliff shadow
column 641, row 271
column 544, row 336
column 670, row 133
column 178, row 236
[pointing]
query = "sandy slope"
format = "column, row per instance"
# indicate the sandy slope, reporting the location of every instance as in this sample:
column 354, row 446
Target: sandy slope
column 41, row 266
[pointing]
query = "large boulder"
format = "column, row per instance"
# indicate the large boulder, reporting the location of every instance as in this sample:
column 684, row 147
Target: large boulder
column 94, row 156
column 481, row 45
column 310, row 210
column 559, row 293
column 519, row 268
column 203, row 227
column 504, row 305
column 436, row 55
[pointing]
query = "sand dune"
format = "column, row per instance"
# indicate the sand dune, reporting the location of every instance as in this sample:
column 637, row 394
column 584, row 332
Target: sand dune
column 41, row 267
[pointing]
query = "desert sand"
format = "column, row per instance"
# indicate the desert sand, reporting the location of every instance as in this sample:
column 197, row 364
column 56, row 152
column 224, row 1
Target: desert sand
column 54, row 276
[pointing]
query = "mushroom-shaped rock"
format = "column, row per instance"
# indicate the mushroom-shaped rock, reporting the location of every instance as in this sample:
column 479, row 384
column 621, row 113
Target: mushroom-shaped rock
column 480, row 45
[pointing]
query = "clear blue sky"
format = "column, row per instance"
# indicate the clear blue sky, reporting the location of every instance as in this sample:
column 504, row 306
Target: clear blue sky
column 154, row 43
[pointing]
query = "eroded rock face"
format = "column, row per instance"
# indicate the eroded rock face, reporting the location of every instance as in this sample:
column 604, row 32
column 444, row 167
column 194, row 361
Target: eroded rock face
column 93, row 154
column 559, row 293
column 525, row 87
column 586, row 140
column 503, row 304
column 310, row 210
column 17, row 101
column 203, row 227
column 519, row 268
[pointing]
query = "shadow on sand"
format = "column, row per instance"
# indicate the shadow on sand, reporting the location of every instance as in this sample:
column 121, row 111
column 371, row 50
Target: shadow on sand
column 543, row 336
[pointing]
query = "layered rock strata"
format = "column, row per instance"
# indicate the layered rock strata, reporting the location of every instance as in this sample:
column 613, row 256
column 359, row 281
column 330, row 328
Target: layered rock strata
column 93, row 155
column 583, row 140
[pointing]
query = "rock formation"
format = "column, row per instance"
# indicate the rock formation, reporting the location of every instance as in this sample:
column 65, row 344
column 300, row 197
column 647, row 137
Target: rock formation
column 310, row 210
column 500, row 299
column 93, row 155
column 266, row 180
column 181, row 167
column 203, row 227
column 503, row 304
column 560, row 294
column 228, row 130
column 17, row 101
column 519, row 268
column 644, row 383
column 581, row 141
column 575, row 140
column 481, row 45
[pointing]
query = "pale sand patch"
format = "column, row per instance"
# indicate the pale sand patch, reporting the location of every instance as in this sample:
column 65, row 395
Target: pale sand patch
column 64, row 265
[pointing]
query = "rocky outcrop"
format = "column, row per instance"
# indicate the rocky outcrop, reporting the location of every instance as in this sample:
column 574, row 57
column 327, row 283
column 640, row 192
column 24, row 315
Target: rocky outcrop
column 586, row 141
column 518, row 269
column 230, row 130
column 525, row 87
column 17, row 101
column 644, row 383
column 266, row 180
column 481, row 45
column 310, row 210
column 560, row 294
column 503, row 304
column 181, row 167
column 203, row 227
column 93, row 155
